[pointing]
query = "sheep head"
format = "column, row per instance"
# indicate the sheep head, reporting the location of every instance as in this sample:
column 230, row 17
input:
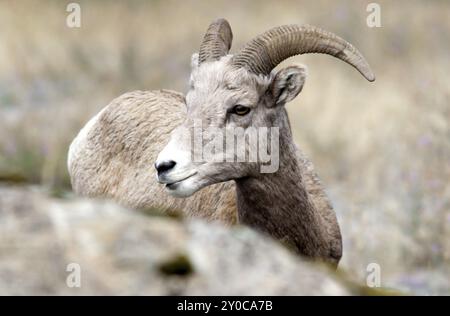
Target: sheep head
column 236, row 96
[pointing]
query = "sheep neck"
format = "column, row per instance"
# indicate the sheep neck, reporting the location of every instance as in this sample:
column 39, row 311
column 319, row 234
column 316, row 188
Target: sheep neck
column 277, row 203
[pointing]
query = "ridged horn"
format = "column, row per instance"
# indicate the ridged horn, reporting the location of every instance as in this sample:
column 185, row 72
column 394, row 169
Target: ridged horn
column 216, row 42
column 267, row 50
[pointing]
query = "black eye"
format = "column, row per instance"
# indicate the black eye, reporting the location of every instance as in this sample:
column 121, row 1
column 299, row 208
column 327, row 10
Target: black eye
column 240, row 110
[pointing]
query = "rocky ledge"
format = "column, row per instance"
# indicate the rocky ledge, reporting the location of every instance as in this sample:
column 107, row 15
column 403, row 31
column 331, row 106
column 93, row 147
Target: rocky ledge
column 74, row 246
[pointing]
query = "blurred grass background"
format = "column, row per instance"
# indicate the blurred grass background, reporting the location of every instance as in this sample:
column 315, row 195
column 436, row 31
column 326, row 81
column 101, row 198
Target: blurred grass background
column 382, row 149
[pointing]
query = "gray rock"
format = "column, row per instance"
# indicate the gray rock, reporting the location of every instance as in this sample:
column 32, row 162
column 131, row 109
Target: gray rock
column 125, row 252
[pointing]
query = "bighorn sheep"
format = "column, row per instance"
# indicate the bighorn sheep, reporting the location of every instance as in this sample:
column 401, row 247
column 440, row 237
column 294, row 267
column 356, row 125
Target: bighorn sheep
column 113, row 154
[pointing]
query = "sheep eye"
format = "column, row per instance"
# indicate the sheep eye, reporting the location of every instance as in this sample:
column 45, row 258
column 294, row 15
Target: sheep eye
column 241, row 110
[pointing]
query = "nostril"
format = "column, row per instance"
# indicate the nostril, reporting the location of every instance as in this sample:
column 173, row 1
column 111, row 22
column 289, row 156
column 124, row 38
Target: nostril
column 164, row 165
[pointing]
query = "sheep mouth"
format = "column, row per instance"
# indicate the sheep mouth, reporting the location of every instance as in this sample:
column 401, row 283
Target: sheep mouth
column 174, row 185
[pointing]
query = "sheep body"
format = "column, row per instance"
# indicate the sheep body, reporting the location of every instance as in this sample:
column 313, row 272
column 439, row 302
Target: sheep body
column 113, row 157
column 114, row 154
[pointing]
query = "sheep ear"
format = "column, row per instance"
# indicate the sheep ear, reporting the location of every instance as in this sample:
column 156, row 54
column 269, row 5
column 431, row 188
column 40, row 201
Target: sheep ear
column 287, row 83
column 194, row 61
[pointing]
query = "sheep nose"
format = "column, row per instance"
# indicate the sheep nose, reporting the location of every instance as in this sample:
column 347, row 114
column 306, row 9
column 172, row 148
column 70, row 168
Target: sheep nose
column 164, row 166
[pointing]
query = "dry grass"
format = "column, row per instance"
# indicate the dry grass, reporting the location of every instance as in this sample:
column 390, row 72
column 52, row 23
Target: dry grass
column 382, row 149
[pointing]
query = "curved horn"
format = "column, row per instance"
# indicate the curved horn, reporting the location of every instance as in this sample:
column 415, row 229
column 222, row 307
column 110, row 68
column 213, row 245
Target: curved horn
column 267, row 50
column 216, row 42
